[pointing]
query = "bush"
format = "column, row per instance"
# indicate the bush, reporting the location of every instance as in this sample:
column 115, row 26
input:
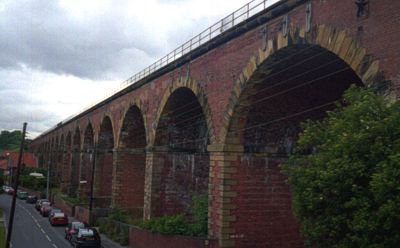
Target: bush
column 200, row 215
column 346, row 191
column 178, row 224
column 115, row 226
column 119, row 215
column 174, row 224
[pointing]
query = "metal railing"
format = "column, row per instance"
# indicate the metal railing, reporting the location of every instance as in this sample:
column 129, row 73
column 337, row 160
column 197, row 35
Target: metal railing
column 240, row 15
column 244, row 13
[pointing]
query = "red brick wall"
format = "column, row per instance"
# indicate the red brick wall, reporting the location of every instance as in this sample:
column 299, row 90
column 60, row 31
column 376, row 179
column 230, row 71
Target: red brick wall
column 103, row 176
column 130, row 188
column 82, row 213
column 182, row 175
column 65, row 207
column 264, row 215
column 139, row 238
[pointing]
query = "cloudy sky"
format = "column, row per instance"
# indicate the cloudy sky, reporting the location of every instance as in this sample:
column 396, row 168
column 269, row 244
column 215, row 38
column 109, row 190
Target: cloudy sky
column 51, row 48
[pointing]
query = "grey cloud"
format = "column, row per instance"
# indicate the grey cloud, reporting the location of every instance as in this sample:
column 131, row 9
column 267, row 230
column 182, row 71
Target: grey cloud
column 42, row 36
column 13, row 116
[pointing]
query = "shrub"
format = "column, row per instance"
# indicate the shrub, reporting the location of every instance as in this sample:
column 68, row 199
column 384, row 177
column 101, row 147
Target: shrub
column 178, row 224
column 174, row 224
column 119, row 215
column 200, row 215
column 346, row 192
column 115, row 227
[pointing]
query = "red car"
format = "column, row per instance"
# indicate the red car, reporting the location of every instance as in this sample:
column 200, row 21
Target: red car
column 59, row 219
column 45, row 209
column 73, row 228
column 10, row 191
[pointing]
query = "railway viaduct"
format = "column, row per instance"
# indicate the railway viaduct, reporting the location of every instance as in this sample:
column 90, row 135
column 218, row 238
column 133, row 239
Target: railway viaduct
column 220, row 118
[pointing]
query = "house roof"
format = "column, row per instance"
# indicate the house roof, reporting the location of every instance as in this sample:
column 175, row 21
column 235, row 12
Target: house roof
column 28, row 159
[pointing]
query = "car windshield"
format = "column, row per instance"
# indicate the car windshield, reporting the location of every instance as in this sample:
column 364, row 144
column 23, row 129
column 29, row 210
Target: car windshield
column 86, row 234
column 45, row 204
column 77, row 225
column 58, row 215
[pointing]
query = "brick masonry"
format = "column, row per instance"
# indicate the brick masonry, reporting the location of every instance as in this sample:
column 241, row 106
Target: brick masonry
column 249, row 201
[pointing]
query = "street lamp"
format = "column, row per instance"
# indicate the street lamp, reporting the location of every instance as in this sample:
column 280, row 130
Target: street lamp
column 48, row 181
column 9, row 169
column 93, row 160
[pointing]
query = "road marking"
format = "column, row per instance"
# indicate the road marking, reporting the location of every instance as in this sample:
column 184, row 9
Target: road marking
column 39, row 226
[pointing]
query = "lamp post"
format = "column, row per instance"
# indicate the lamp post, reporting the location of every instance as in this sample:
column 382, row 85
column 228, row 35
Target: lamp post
column 48, row 181
column 9, row 169
column 93, row 160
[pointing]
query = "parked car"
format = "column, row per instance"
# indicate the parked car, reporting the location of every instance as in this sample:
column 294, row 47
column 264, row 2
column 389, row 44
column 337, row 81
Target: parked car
column 73, row 228
column 53, row 211
column 45, row 209
column 22, row 195
column 86, row 237
column 39, row 203
column 31, row 199
column 10, row 190
column 58, row 219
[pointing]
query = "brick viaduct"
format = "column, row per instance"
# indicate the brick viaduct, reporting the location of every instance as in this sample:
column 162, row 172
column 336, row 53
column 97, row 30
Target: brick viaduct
column 221, row 119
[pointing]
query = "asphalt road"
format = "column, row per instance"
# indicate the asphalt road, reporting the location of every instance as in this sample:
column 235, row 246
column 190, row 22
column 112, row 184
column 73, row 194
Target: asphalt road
column 30, row 229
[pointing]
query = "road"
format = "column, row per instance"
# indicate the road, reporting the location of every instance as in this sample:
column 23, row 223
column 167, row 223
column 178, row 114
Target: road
column 30, row 228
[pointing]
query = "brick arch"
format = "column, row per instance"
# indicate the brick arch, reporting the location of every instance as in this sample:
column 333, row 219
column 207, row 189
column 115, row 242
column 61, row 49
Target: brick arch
column 259, row 171
column 85, row 130
column 334, row 40
column 96, row 130
column 201, row 98
column 103, row 173
column 66, row 163
column 75, row 160
column 134, row 103
column 60, row 158
column 86, row 158
column 130, row 159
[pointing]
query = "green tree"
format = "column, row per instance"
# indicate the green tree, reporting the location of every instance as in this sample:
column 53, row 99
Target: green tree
column 10, row 140
column 345, row 174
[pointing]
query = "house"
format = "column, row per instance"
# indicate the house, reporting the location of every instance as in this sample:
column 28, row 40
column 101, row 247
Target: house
column 9, row 161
